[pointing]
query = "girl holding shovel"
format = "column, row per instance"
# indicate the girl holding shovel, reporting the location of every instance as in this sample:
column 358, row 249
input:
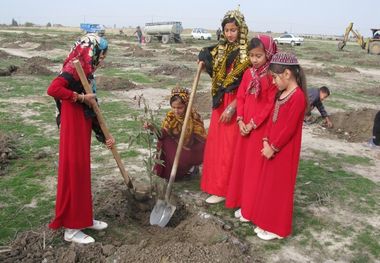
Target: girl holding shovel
column 225, row 63
column 73, row 209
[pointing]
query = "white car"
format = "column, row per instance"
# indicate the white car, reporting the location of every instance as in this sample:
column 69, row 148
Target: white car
column 289, row 39
column 200, row 33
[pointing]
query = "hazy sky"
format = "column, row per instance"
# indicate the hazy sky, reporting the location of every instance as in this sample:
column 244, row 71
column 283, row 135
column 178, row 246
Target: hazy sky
column 298, row 16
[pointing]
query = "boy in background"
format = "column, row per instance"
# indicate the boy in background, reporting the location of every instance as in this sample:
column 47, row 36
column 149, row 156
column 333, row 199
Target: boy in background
column 316, row 97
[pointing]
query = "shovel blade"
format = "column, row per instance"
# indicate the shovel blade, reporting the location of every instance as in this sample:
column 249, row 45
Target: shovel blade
column 162, row 213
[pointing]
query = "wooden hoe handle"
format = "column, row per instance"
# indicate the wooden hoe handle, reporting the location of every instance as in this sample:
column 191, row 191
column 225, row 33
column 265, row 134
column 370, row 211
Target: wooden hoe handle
column 102, row 124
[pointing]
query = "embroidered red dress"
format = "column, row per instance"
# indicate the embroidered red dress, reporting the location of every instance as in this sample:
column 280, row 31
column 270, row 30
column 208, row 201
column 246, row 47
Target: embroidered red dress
column 219, row 150
column 74, row 200
column 252, row 105
column 273, row 205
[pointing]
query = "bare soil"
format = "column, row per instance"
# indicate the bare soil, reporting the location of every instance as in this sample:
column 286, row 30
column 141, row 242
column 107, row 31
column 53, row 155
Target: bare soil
column 189, row 237
column 7, row 151
column 360, row 132
column 115, row 83
column 371, row 92
column 172, row 70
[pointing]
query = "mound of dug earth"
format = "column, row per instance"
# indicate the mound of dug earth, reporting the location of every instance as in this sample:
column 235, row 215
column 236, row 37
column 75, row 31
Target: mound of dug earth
column 372, row 92
column 192, row 237
column 137, row 51
column 6, row 151
column 354, row 126
column 115, row 83
column 172, row 70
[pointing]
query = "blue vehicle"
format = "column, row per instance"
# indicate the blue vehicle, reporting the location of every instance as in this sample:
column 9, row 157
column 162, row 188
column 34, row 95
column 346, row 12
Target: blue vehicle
column 93, row 28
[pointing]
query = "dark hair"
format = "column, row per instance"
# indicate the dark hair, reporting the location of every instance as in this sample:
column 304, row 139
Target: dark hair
column 230, row 20
column 176, row 98
column 254, row 43
column 297, row 72
column 325, row 90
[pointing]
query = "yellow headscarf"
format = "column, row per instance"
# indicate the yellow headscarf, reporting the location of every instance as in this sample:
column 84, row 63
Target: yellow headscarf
column 172, row 124
column 220, row 53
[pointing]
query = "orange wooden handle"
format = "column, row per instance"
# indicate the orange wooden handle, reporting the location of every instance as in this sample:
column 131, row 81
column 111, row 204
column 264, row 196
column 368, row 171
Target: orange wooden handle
column 102, row 123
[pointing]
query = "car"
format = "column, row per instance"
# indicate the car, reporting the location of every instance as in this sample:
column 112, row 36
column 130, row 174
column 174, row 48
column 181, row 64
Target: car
column 200, row 33
column 289, row 39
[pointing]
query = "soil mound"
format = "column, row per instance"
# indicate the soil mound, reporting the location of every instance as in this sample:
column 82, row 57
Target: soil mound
column 354, row 126
column 34, row 69
column 35, row 66
column 345, row 69
column 39, row 60
column 371, row 92
column 325, row 56
column 8, row 71
column 137, row 51
column 4, row 54
column 171, row 70
column 322, row 72
column 6, row 151
column 115, row 83
column 46, row 45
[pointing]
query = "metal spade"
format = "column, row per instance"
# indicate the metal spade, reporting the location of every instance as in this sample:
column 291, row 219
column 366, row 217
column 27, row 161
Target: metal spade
column 163, row 210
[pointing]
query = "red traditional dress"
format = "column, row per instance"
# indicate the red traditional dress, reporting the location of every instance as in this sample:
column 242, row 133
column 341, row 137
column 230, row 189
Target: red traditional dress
column 273, row 205
column 247, row 160
column 225, row 63
column 255, row 100
column 192, row 153
column 74, row 200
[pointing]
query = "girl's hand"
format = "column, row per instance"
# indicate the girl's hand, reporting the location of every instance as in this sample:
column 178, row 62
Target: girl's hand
column 243, row 128
column 110, row 142
column 249, row 127
column 267, row 151
column 227, row 114
column 88, row 99
column 203, row 64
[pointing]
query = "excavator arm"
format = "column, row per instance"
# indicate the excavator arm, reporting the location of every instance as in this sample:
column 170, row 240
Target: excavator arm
column 357, row 35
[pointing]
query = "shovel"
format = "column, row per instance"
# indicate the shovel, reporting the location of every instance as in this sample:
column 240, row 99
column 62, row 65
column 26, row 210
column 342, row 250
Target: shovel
column 163, row 210
column 102, row 124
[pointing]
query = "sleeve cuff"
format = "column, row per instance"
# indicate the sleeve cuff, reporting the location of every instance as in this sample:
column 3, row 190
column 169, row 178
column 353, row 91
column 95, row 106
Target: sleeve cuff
column 275, row 148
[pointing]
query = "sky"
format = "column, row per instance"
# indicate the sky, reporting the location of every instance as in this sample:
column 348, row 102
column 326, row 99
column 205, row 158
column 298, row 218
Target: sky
column 296, row 16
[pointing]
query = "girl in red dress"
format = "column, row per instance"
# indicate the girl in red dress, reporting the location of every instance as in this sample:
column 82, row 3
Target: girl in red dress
column 73, row 209
column 195, row 136
column 255, row 100
column 273, row 203
column 225, row 63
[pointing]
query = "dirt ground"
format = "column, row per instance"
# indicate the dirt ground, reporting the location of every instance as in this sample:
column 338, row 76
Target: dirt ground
column 7, row 151
column 360, row 132
column 190, row 237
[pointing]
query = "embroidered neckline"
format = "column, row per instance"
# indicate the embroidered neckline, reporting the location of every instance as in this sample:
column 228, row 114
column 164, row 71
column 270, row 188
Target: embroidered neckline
column 279, row 103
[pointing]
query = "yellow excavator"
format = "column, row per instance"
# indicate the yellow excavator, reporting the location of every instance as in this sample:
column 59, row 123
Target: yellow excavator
column 372, row 45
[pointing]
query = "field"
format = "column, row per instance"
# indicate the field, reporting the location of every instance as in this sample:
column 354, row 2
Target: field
column 337, row 200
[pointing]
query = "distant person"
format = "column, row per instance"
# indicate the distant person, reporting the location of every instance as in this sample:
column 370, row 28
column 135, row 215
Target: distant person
column 73, row 207
column 374, row 142
column 218, row 33
column 316, row 97
column 194, row 142
column 139, row 34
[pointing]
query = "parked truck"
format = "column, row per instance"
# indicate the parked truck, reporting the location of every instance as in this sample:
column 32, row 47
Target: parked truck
column 164, row 31
column 93, row 28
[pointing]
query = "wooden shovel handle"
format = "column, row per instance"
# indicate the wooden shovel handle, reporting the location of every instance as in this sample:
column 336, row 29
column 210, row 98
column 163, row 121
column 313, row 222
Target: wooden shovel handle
column 102, row 124
column 182, row 136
